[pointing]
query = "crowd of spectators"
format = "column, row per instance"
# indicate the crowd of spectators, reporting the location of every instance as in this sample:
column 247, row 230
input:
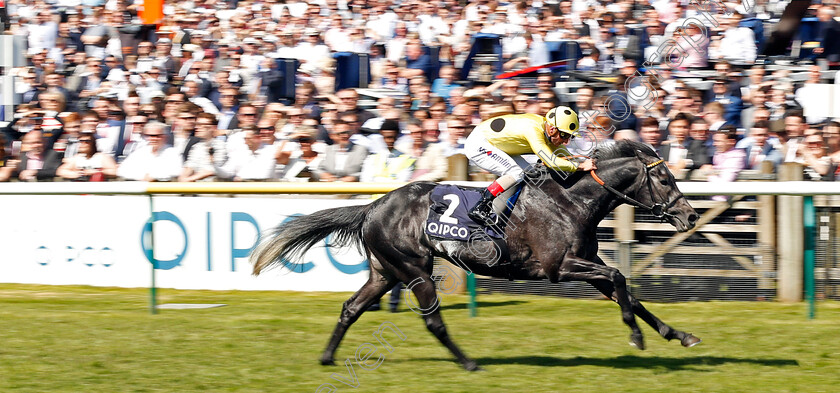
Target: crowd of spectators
column 200, row 97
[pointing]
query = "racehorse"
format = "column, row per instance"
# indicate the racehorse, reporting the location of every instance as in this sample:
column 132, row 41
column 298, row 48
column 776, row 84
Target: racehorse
column 556, row 239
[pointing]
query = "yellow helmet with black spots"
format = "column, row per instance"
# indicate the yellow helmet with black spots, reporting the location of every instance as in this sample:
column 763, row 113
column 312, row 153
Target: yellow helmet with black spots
column 564, row 119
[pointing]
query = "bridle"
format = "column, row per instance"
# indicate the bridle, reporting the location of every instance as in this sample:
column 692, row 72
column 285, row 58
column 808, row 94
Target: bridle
column 659, row 210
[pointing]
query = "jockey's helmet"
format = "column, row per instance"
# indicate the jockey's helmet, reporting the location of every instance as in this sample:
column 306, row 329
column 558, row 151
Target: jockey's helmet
column 564, row 119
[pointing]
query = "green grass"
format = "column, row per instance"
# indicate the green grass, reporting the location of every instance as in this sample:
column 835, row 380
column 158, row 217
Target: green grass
column 84, row 339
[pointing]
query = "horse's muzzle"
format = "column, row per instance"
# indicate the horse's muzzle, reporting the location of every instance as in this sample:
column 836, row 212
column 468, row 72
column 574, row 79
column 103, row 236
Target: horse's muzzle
column 685, row 222
column 692, row 220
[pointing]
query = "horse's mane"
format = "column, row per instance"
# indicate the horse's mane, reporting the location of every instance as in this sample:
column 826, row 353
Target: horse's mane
column 620, row 149
column 623, row 148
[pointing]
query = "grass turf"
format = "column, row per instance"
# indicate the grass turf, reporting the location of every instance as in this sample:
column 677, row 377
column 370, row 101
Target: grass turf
column 74, row 339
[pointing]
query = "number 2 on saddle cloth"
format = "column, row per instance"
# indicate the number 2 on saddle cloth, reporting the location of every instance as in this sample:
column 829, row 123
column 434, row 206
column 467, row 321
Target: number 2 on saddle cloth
column 448, row 219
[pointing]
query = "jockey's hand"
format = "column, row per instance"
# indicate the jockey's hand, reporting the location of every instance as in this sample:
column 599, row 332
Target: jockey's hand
column 587, row 165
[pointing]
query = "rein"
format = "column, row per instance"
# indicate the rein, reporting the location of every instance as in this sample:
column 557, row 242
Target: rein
column 658, row 209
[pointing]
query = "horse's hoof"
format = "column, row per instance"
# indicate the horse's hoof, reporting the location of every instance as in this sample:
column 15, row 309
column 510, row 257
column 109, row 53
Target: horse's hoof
column 472, row 366
column 690, row 340
column 327, row 362
column 638, row 341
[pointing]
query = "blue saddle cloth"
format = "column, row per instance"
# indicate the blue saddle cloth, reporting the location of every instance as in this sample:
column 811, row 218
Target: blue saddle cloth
column 448, row 218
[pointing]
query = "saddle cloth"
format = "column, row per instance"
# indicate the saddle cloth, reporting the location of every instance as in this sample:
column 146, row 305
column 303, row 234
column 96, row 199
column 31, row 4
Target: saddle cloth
column 448, row 210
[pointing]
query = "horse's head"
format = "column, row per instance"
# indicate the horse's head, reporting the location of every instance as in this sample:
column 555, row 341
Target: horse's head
column 653, row 186
column 663, row 195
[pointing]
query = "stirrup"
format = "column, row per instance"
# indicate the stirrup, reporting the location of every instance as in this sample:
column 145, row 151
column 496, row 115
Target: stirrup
column 483, row 216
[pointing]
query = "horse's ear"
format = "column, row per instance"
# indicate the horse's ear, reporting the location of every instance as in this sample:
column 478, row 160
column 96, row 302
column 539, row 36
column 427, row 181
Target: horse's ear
column 641, row 156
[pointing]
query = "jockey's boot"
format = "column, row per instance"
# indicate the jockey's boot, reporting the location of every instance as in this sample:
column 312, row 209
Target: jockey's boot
column 481, row 212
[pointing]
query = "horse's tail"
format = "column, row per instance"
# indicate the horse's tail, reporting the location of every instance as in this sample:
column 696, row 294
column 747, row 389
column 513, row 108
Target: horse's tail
column 292, row 238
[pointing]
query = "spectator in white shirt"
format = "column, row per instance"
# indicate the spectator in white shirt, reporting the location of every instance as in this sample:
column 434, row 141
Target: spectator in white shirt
column 738, row 43
column 431, row 25
column 256, row 162
column 310, row 50
column 42, row 34
column 145, row 60
column 395, row 47
column 281, row 147
column 287, row 49
column 252, row 58
column 156, row 161
column 246, row 119
column 454, row 143
column 382, row 23
column 336, row 37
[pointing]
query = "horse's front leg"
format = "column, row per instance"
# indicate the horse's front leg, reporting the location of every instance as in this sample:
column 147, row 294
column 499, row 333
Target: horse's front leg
column 667, row 332
column 579, row 269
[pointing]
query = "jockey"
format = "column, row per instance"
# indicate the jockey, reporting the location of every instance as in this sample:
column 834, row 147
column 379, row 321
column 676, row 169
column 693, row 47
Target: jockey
column 496, row 145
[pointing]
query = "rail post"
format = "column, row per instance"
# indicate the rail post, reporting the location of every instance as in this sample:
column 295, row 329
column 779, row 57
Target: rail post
column 459, row 171
column 766, row 218
column 473, row 305
column 791, row 239
column 810, row 223
column 150, row 255
column 625, row 215
column 625, row 260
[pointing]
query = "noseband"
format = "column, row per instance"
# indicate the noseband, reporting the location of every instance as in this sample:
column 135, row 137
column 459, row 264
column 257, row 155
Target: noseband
column 659, row 210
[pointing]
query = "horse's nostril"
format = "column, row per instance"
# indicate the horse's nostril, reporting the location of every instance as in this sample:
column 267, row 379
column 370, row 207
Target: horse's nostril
column 692, row 218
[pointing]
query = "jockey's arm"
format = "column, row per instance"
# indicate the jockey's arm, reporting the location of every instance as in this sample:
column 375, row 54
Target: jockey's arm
column 548, row 156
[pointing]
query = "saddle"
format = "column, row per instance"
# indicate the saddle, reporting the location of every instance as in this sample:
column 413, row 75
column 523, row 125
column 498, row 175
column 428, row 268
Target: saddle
column 448, row 219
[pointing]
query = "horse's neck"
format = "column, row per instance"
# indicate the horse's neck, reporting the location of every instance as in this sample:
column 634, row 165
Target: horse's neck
column 593, row 200
column 597, row 201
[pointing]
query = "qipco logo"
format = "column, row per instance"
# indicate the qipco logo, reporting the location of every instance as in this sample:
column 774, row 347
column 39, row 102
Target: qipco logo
column 87, row 256
column 146, row 241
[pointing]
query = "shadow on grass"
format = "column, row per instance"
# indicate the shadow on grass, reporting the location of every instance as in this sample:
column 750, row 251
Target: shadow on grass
column 625, row 362
column 631, row 362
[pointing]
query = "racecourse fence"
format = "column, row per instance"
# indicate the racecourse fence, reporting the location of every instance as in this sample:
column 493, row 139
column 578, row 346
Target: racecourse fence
column 751, row 246
column 731, row 257
column 827, row 268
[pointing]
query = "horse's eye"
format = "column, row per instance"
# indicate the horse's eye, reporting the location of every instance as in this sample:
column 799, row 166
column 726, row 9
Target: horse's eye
column 663, row 182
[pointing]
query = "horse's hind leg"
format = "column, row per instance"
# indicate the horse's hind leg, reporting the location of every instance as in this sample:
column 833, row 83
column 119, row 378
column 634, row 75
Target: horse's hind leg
column 374, row 288
column 579, row 269
column 424, row 288
column 666, row 331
